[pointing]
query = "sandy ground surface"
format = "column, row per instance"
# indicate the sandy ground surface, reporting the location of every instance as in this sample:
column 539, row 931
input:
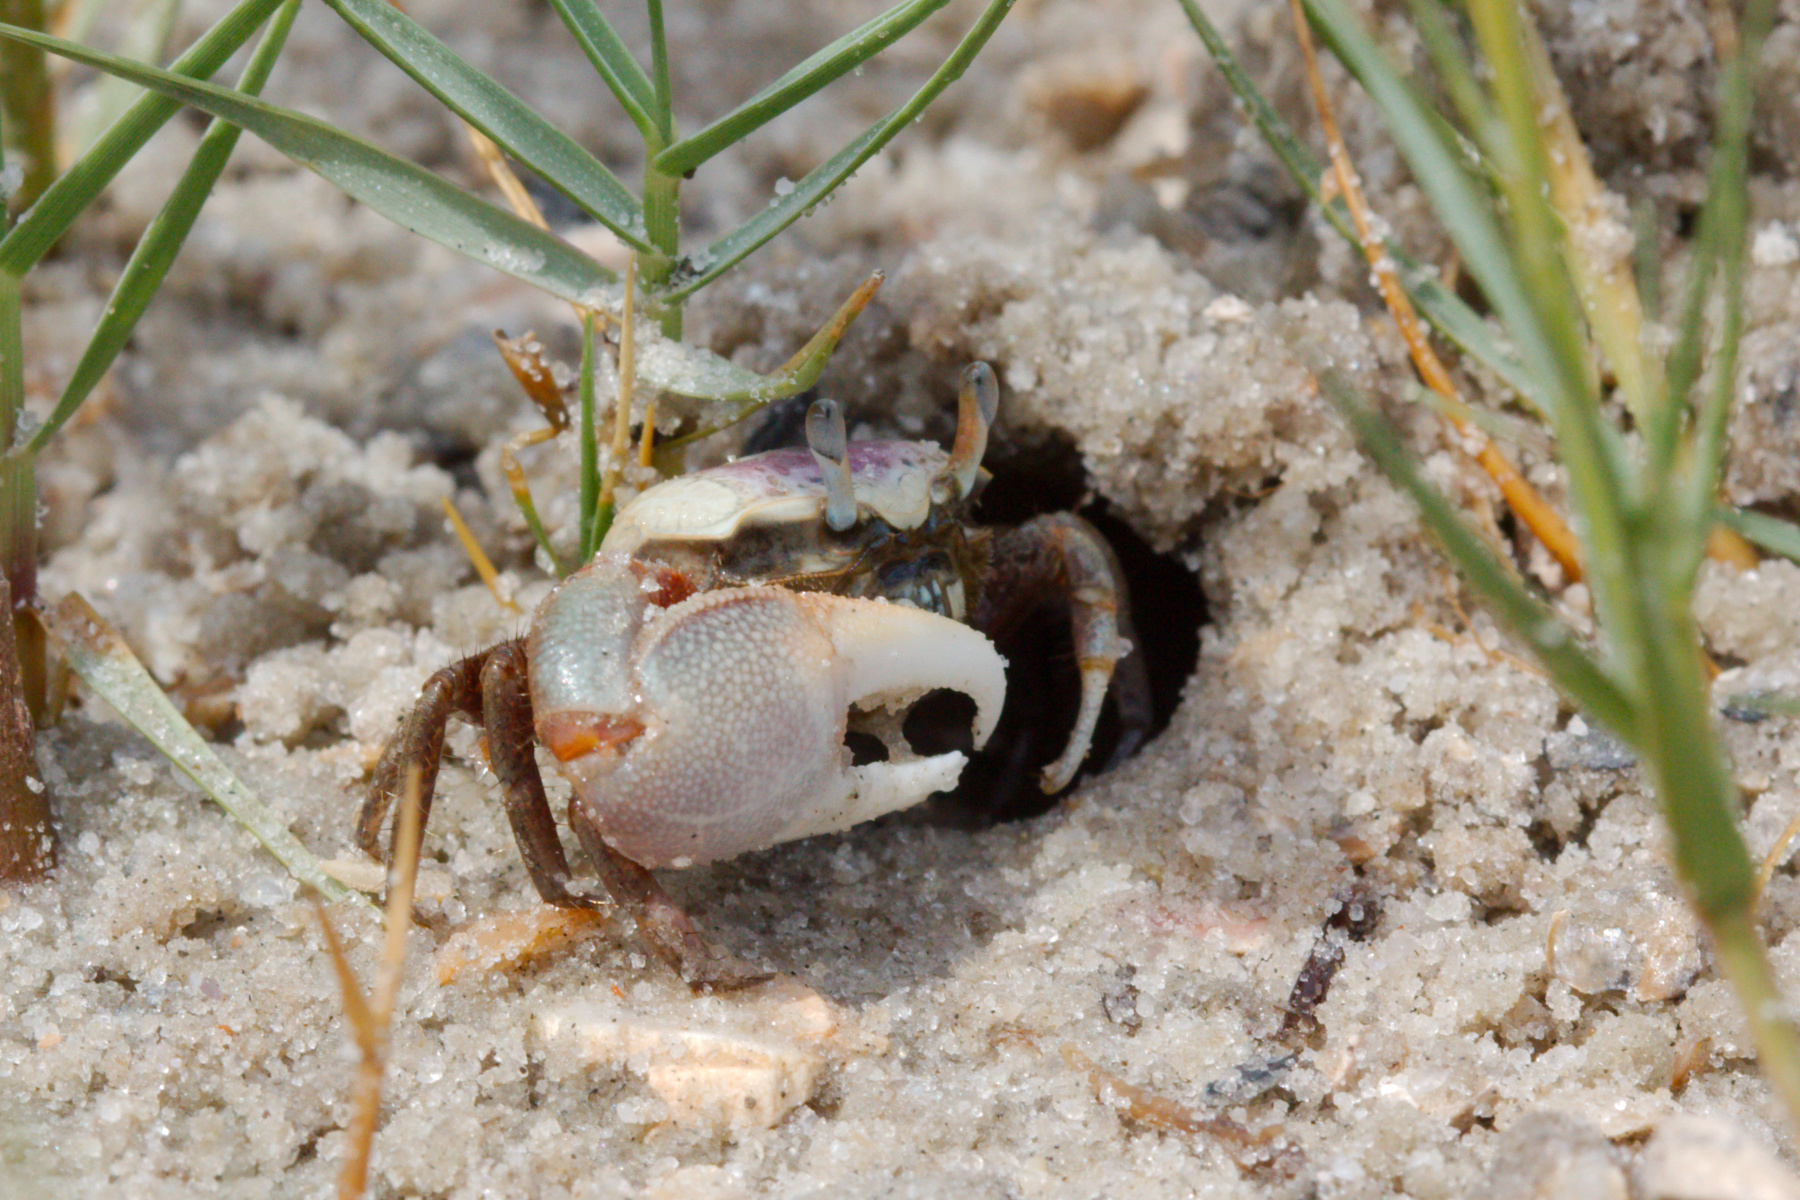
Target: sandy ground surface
column 1353, row 763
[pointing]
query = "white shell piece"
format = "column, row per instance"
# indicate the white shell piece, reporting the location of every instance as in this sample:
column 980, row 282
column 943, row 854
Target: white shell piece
column 892, row 480
column 744, row 697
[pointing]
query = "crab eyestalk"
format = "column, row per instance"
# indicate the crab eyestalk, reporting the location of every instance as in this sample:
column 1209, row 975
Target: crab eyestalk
column 830, row 447
column 978, row 403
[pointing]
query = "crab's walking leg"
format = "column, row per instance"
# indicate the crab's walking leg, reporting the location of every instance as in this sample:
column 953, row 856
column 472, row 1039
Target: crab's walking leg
column 506, row 718
column 665, row 928
column 419, row 743
column 1060, row 553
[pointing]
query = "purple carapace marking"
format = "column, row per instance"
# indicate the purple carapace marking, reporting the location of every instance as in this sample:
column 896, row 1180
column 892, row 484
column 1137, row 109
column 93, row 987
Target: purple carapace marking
column 786, row 472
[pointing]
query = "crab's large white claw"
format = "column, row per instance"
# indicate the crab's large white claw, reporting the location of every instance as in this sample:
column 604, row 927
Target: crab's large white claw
column 733, row 735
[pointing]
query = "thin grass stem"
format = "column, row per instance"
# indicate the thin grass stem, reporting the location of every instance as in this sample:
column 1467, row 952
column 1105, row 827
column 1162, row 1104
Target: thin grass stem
column 699, row 270
column 587, row 438
column 1724, row 224
column 818, row 71
column 619, row 452
column 27, row 106
column 162, row 240
column 27, row 834
column 606, row 50
column 69, row 196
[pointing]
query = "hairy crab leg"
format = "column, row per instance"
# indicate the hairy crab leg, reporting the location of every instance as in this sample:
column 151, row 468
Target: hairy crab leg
column 490, row 690
column 1059, row 553
column 455, row 690
column 506, row 719
column 662, row 923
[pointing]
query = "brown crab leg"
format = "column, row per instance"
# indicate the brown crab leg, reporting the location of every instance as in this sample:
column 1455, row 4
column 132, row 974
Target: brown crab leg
column 506, row 718
column 664, row 926
column 419, row 742
column 1059, row 553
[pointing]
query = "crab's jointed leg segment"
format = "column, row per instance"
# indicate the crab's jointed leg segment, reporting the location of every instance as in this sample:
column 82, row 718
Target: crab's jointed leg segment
column 455, row 690
column 506, row 720
column 665, row 927
column 1059, row 553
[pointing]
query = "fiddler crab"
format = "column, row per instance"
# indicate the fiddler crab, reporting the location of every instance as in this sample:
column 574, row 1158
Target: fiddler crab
column 696, row 680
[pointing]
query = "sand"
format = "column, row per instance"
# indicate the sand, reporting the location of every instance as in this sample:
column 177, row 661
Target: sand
column 1048, row 1007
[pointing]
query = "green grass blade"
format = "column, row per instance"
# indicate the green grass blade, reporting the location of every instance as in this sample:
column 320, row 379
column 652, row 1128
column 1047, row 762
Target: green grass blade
column 695, row 271
column 818, row 71
column 662, row 104
column 1300, row 161
column 406, row 194
column 1486, row 251
column 1551, row 641
column 699, row 270
column 588, row 439
column 102, row 660
column 76, row 188
column 506, row 119
column 612, row 60
column 12, row 361
column 1451, row 59
column 1723, row 231
column 1718, row 241
column 150, row 260
column 1536, row 249
column 1771, row 533
column 145, row 35
column 1440, row 306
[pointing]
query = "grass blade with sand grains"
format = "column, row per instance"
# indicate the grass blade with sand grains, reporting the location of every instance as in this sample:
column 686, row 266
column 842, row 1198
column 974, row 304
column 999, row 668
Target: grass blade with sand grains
column 150, row 259
column 483, row 103
column 1647, row 507
column 76, row 188
column 408, row 195
column 700, row 269
column 102, row 660
column 811, row 76
column 612, row 61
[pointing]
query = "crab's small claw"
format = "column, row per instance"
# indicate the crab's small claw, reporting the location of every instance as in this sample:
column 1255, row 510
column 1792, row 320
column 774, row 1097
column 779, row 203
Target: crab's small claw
column 718, row 726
